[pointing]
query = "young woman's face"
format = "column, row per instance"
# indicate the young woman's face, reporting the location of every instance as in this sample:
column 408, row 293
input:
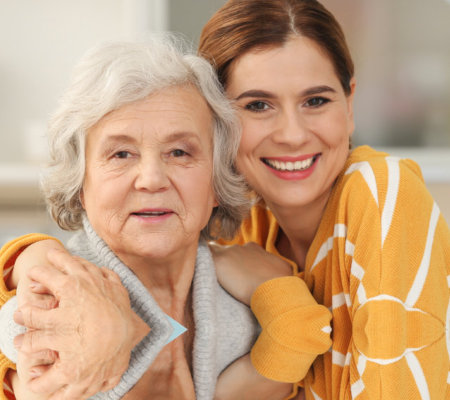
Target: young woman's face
column 296, row 120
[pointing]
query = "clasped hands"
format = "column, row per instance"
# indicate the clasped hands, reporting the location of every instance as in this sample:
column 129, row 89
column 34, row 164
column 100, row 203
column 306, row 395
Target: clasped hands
column 81, row 328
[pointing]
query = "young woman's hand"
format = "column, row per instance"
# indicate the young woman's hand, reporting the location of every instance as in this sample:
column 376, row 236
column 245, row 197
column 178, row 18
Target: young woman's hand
column 240, row 381
column 241, row 269
column 92, row 330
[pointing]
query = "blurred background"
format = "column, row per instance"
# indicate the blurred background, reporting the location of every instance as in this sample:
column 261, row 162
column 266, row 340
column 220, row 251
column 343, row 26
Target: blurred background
column 400, row 48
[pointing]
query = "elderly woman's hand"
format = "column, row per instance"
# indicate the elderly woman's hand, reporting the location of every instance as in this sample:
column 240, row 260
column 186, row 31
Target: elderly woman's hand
column 93, row 329
column 241, row 269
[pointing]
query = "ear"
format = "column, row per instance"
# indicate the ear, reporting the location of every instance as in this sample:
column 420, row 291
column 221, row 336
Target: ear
column 350, row 99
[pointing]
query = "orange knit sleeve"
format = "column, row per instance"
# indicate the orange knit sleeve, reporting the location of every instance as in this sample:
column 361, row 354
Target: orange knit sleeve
column 295, row 329
column 8, row 255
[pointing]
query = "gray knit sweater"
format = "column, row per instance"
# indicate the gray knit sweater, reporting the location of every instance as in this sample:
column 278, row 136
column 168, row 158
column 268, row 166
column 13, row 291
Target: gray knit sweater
column 225, row 329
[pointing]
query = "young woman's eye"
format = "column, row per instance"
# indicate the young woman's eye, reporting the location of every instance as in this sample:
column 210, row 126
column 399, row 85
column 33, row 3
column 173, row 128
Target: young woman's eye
column 316, row 102
column 122, row 154
column 257, row 106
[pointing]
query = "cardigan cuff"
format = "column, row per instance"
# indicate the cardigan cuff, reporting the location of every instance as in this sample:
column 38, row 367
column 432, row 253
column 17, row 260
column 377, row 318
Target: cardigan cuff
column 295, row 329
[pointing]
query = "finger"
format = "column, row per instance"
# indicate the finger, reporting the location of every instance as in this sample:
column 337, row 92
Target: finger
column 70, row 393
column 61, row 384
column 67, row 263
column 38, row 318
column 48, row 276
column 43, row 357
column 39, row 288
column 48, row 329
column 111, row 275
column 44, row 301
column 50, row 381
column 39, row 370
column 89, row 267
column 34, row 341
column 110, row 384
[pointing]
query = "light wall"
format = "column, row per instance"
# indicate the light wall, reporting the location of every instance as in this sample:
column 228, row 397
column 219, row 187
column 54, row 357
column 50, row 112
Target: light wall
column 400, row 48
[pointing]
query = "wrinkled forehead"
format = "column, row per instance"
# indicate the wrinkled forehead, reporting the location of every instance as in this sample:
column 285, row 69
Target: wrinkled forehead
column 172, row 112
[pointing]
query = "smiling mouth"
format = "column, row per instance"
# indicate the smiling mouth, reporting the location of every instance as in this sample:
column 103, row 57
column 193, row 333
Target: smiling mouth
column 291, row 166
column 151, row 213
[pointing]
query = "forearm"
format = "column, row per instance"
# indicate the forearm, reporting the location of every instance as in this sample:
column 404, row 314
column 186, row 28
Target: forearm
column 241, row 269
column 240, row 381
column 34, row 254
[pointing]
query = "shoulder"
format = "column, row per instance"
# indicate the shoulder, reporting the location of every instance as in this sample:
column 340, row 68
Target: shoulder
column 374, row 176
column 260, row 227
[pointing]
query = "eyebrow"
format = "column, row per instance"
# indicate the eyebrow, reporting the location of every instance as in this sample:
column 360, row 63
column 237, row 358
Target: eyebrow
column 318, row 90
column 172, row 137
column 118, row 137
column 268, row 95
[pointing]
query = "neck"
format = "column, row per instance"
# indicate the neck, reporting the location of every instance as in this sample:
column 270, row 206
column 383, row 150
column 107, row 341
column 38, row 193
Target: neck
column 298, row 228
column 168, row 280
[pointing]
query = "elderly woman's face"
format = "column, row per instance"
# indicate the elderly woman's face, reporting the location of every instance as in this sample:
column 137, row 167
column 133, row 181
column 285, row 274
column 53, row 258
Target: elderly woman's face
column 148, row 184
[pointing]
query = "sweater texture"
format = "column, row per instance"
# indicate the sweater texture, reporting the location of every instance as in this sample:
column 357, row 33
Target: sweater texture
column 380, row 261
column 225, row 329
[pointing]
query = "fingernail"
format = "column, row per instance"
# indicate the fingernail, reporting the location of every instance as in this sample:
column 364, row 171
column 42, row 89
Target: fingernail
column 18, row 340
column 18, row 317
column 35, row 373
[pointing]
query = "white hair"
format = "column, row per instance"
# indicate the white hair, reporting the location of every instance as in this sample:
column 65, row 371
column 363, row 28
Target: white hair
column 115, row 74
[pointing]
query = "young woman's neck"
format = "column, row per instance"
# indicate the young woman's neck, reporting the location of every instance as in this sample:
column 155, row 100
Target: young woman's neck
column 298, row 228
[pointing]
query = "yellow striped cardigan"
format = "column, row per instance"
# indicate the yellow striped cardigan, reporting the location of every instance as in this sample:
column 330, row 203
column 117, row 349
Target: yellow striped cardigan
column 381, row 262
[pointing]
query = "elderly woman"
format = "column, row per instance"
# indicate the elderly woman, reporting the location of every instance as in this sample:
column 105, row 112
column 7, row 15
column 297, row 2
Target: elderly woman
column 142, row 148
column 142, row 151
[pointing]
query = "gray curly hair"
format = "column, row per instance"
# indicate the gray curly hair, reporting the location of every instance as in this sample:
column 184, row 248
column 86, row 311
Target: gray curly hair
column 115, row 74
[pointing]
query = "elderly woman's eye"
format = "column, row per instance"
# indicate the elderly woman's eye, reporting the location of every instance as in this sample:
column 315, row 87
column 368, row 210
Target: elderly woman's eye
column 178, row 153
column 122, row 154
column 257, row 106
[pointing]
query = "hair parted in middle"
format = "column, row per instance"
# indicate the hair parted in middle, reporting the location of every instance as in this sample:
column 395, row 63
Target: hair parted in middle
column 244, row 25
column 115, row 74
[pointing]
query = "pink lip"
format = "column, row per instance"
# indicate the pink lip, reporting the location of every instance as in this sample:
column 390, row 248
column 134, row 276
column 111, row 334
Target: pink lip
column 152, row 215
column 293, row 175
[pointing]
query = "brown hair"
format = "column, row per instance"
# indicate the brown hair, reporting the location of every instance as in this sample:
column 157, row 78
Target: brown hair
column 241, row 25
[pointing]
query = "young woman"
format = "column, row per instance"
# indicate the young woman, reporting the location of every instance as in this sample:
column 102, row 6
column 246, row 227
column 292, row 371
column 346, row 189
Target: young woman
column 360, row 225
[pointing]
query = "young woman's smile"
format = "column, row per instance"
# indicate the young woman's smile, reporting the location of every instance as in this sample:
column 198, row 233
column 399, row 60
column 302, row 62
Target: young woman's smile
column 296, row 122
column 292, row 168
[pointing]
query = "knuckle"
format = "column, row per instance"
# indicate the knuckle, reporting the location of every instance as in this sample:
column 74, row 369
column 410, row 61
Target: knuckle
column 52, row 302
column 49, row 355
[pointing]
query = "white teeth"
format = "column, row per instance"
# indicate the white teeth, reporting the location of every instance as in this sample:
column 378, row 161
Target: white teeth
column 290, row 166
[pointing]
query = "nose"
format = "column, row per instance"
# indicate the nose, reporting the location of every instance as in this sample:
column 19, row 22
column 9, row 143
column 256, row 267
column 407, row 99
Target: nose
column 291, row 129
column 151, row 175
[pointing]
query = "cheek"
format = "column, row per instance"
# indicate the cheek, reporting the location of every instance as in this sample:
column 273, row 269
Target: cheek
column 249, row 135
column 195, row 188
column 102, row 194
column 336, row 131
column 241, row 161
